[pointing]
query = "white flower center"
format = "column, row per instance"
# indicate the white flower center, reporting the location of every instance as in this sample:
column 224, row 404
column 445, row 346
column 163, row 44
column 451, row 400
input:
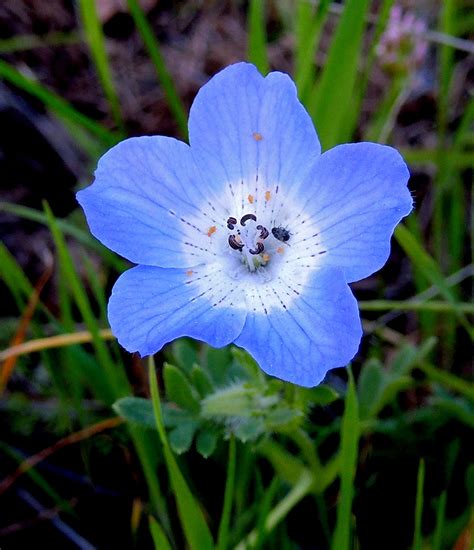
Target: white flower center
column 263, row 247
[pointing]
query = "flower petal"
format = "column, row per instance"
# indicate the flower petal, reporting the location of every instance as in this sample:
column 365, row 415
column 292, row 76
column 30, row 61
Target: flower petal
column 149, row 204
column 242, row 124
column 151, row 306
column 319, row 330
column 354, row 195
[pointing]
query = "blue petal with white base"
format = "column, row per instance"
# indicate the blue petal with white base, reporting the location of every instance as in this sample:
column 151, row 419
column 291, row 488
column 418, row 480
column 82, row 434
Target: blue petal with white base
column 151, row 306
column 317, row 329
column 356, row 194
column 249, row 235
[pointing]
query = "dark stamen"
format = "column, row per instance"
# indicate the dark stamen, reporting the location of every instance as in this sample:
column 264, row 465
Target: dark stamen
column 231, row 222
column 234, row 243
column 260, row 248
column 247, row 217
column 263, row 231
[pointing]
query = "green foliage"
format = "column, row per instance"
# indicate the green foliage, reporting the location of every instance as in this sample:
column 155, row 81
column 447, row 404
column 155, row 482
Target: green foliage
column 276, row 450
column 95, row 39
column 330, row 102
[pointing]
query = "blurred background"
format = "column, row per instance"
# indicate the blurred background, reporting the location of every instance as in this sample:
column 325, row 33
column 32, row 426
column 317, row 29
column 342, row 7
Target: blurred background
column 383, row 459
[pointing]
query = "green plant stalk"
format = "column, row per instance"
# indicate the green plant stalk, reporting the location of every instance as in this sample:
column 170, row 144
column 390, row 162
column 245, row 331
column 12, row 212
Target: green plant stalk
column 192, row 519
column 147, row 462
column 95, row 38
column 148, row 36
column 223, row 534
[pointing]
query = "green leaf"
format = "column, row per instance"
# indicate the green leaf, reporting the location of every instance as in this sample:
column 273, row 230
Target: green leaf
column 201, row 381
column 321, row 395
column 184, row 354
column 370, row 386
column 190, row 514
column 350, row 432
column 179, row 390
column 456, row 407
column 181, row 437
column 249, row 429
column 335, row 89
column 206, row 442
column 137, row 410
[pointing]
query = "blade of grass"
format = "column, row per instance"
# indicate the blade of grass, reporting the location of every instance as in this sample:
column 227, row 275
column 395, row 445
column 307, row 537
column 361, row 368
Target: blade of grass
column 257, row 36
column 380, row 25
column 95, row 39
column 223, row 533
column 435, row 306
column 301, row 489
column 458, row 159
column 350, row 433
column 32, row 41
column 51, row 342
column 192, row 519
column 309, row 22
column 75, row 437
column 67, row 228
column 9, row 365
column 334, row 92
column 440, row 516
column 56, row 103
column 417, row 536
column 451, row 381
column 383, row 120
column 40, row 481
column 149, row 38
column 115, row 375
column 159, row 538
column 429, row 268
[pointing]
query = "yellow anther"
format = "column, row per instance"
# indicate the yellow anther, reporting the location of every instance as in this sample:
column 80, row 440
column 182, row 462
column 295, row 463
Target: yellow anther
column 250, row 199
column 266, row 257
column 189, row 273
column 280, row 250
column 257, row 136
column 211, row 230
column 268, row 195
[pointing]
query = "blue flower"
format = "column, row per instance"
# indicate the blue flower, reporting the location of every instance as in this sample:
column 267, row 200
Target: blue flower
column 249, row 235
